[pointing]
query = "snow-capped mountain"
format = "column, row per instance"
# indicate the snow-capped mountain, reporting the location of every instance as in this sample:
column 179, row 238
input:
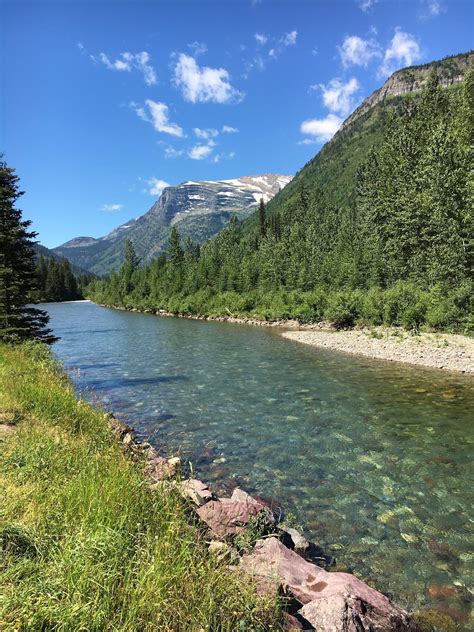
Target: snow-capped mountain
column 199, row 209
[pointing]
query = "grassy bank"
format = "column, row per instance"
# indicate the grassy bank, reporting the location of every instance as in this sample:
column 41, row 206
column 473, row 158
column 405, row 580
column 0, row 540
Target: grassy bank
column 86, row 545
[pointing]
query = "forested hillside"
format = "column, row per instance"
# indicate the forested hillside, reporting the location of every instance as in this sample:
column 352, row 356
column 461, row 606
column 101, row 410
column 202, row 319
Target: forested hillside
column 380, row 235
column 56, row 281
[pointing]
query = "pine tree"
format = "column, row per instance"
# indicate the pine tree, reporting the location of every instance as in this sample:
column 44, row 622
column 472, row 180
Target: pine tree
column 175, row 251
column 130, row 265
column 262, row 220
column 18, row 321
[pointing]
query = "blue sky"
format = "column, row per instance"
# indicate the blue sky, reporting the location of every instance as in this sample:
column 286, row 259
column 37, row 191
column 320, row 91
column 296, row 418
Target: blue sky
column 103, row 103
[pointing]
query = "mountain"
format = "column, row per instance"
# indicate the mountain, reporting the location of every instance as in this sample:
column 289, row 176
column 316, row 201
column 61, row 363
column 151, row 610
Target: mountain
column 374, row 229
column 200, row 209
column 332, row 172
column 47, row 253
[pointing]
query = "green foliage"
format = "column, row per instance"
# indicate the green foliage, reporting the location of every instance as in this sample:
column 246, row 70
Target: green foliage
column 18, row 321
column 86, row 544
column 56, row 281
column 375, row 229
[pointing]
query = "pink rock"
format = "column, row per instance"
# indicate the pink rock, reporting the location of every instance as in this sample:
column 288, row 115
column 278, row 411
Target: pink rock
column 336, row 602
column 226, row 517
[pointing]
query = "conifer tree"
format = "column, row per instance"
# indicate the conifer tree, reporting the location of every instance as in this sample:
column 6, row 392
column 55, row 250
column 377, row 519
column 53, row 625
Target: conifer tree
column 262, row 220
column 18, row 321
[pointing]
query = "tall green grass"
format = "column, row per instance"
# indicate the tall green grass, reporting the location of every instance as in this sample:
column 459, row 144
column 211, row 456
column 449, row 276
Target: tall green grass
column 86, row 545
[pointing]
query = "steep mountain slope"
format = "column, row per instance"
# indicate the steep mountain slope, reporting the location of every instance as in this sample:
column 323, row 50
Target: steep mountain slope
column 47, row 253
column 331, row 173
column 199, row 209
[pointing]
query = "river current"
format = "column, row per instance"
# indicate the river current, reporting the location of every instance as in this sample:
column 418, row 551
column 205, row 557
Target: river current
column 372, row 458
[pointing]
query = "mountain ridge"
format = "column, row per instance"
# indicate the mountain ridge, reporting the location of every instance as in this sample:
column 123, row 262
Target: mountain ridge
column 200, row 208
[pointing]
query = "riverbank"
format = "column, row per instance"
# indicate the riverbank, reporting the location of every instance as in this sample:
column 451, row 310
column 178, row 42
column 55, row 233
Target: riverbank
column 450, row 352
column 100, row 530
column 86, row 542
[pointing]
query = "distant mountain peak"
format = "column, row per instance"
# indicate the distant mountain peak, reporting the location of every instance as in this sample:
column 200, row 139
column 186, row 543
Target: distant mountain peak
column 200, row 208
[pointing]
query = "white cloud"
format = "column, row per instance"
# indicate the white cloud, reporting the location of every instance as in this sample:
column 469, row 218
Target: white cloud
column 219, row 157
column 199, row 152
column 157, row 115
column 337, row 95
column 366, row 5
column 111, row 208
column 156, row 186
column 321, row 130
column 227, row 129
column 126, row 61
column 198, row 48
column 289, row 39
column 356, row 51
column 203, row 84
column 205, row 134
column 434, row 7
column 172, row 152
column 261, row 38
column 404, row 50
column 431, row 8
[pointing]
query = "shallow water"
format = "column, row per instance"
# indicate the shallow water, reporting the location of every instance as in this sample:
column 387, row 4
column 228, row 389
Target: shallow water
column 373, row 458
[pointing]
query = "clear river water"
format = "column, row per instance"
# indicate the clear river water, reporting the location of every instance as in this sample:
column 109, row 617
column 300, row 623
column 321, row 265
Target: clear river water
column 372, row 458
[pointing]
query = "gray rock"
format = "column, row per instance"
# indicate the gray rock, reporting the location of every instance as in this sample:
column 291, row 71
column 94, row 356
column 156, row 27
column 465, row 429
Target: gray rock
column 196, row 491
column 297, row 540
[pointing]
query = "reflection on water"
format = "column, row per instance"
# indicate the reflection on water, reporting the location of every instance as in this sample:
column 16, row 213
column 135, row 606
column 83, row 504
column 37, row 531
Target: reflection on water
column 373, row 458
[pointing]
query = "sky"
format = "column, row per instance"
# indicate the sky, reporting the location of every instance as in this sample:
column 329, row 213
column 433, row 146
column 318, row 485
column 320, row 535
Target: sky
column 104, row 103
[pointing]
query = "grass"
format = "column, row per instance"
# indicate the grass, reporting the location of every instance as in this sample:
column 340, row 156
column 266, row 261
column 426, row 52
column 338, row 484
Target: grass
column 86, row 545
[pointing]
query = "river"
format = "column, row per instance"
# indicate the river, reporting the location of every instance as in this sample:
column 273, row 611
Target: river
column 371, row 457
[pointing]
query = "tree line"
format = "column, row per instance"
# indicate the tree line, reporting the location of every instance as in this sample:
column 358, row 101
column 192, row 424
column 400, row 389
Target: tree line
column 400, row 254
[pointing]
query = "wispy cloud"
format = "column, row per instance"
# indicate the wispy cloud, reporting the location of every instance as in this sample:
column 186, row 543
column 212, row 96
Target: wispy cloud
column 356, row 51
column 156, row 186
column 125, row 62
column 366, row 5
column 288, row 39
column 201, row 151
column 198, row 48
column 261, row 38
column 431, row 9
column 205, row 134
column 403, row 50
column 320, row 130
column 156, row 113
column 337, row 96
column 227, row 129
column 204, row 84
column 111, row 208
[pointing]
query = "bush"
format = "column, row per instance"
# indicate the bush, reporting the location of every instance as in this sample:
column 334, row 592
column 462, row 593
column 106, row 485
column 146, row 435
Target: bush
column 344, row 308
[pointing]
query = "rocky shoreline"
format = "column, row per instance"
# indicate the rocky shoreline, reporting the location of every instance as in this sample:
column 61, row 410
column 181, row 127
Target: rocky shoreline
column 248, row 535
column 449, row 352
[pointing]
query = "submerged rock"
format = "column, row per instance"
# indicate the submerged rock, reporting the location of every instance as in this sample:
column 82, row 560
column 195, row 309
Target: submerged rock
column 338, row 602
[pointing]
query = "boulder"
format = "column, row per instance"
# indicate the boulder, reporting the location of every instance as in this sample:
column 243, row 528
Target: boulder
column 160, row 469
column 227, row 516
column 196, row 491
column 223, row 552
column 295, row 540
column 336, row 602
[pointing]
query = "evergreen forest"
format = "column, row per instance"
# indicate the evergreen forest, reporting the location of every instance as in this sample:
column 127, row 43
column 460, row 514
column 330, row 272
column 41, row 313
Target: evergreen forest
column 393, row 247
